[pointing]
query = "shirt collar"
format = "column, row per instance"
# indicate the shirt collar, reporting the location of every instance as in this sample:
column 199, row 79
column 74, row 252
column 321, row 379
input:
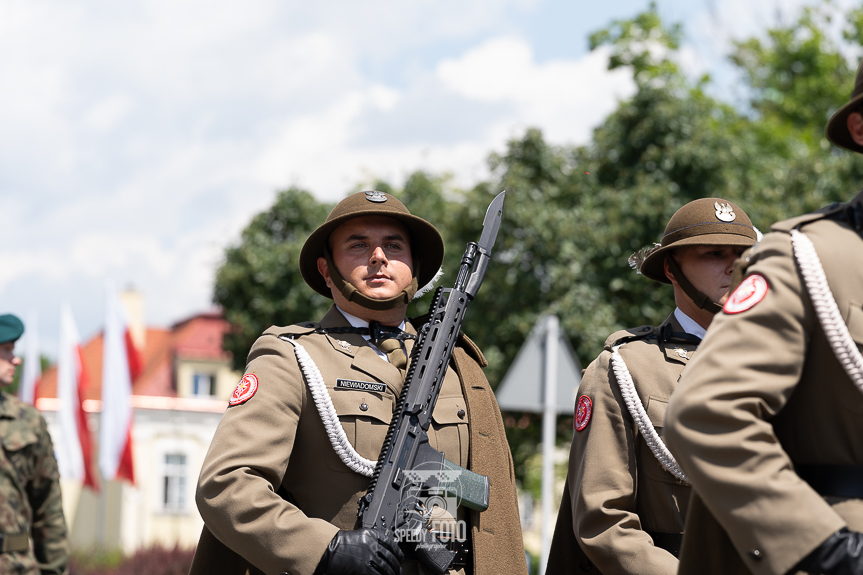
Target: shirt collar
column 688, row 324
column 357, row 322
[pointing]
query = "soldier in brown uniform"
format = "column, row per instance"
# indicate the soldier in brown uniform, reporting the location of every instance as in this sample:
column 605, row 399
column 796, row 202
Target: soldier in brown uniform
column 625, row 499
column 32, row 525
column 296, row 447
column 768, row 421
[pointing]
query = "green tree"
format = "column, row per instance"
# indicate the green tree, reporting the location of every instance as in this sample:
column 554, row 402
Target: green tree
column 797, row 77
column 573, row 215
column 259, row 283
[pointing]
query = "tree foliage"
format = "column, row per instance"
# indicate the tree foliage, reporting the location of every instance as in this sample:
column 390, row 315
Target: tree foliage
column 574, row 214
column 259, row 284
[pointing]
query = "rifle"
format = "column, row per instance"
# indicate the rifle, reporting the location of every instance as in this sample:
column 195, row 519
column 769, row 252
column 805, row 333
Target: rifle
column 407, row 464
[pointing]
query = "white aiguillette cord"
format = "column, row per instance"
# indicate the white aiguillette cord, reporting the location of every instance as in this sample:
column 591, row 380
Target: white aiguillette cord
column 329, row 417
column 838, row 336
column 636, row 410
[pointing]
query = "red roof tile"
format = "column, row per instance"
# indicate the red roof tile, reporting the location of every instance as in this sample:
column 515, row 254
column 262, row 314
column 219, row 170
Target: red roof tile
column 198, row 337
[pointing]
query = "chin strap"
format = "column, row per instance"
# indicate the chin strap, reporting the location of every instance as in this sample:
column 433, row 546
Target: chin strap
column 351, row 294
column 698, row 298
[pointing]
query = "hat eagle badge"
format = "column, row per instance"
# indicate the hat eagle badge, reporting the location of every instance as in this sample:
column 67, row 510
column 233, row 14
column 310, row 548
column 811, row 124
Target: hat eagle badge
column 377, row 197
column 724, row 212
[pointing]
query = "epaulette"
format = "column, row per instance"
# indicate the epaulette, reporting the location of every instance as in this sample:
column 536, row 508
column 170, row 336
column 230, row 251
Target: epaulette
column 851, row 214
column 634, row 333
column 291, row 331
column 375, row 331
column 662, row 334
column 787, row 225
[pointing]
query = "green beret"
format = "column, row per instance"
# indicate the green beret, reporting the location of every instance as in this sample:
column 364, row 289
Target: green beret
column 11, row 328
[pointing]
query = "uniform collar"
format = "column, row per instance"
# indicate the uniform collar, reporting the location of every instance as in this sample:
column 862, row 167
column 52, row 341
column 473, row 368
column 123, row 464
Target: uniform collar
column 365, row 355
column 688, row 324
column 678, row 352
column 6, row 408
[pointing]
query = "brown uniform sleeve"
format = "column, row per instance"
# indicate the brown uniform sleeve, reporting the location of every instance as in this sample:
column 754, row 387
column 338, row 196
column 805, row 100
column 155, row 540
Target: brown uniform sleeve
column 718, row 422
column 237, row 490
column 602, row 483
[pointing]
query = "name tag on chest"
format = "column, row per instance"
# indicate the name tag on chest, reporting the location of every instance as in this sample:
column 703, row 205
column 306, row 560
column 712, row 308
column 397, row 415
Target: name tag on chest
column 360, row 385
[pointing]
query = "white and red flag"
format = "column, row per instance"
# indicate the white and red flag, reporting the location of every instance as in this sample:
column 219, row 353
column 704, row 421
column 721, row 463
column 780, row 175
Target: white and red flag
column 32, row 362
column 120, row 366
column 74, row 446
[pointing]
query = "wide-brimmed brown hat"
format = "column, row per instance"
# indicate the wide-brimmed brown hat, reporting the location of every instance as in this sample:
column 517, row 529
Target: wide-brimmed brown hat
column 837, row 126
column 704, row 222
column 426, row 242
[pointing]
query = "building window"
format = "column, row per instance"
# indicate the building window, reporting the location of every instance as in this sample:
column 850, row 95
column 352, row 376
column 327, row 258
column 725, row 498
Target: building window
column 204, row 385
column 174, row 494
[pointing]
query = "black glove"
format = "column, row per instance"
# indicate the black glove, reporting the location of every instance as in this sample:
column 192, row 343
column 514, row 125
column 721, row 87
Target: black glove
column 840, row 554
column 361, row 552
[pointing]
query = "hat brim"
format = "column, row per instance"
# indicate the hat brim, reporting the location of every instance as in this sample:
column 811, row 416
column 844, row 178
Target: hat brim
column 427, row 248
column 837, row 127
column 654, row 269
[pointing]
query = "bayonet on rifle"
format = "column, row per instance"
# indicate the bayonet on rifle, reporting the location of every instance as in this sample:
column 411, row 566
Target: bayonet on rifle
column 407, row 464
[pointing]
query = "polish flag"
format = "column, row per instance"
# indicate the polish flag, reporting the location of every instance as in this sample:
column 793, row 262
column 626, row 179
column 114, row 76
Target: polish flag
column 32, row 362
column 74, row 447
column 121, row 364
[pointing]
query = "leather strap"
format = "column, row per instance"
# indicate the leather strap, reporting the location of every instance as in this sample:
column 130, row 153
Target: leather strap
column 699, row 298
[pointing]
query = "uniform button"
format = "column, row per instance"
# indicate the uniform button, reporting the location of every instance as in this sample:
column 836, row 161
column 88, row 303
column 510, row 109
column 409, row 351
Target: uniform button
column 364, row 406
column 460, row 414
column 756, row 554
column 585, row 565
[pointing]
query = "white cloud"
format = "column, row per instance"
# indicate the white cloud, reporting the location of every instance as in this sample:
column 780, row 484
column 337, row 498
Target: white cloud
column 139, row 138
column 566, row 97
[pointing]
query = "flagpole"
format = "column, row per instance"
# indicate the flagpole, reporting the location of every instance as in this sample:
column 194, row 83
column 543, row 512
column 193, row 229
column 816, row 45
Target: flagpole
column 549, row 433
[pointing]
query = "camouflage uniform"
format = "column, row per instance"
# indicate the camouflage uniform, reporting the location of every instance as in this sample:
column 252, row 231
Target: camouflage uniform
column 31, row 511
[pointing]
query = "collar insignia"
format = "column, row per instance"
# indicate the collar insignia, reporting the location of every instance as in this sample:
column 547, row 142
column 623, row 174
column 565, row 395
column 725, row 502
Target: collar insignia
column 377, row 197
column 682, row 353
column 344, row 345
column 724, row 212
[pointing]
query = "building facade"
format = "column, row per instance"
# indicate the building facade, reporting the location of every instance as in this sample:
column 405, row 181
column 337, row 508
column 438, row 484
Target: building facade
column 178, row 401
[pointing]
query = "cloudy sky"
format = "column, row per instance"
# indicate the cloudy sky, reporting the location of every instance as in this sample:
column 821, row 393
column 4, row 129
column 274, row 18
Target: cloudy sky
column 138, row 138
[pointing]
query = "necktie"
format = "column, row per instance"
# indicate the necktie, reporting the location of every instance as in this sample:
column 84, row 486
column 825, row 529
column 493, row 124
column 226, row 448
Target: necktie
column 393, row 349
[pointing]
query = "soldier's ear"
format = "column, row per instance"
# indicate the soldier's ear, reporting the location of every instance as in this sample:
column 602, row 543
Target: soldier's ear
column 855, row 127
column 324, row 271
column 667, row 270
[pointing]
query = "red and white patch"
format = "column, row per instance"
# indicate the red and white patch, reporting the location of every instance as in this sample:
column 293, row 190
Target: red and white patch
column 751, row 291
column 583, row 411
column 244, row 390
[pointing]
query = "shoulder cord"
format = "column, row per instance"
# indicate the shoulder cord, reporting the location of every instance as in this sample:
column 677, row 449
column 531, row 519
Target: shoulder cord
column 329, row 417
column 636, row 410
column 828, row 313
